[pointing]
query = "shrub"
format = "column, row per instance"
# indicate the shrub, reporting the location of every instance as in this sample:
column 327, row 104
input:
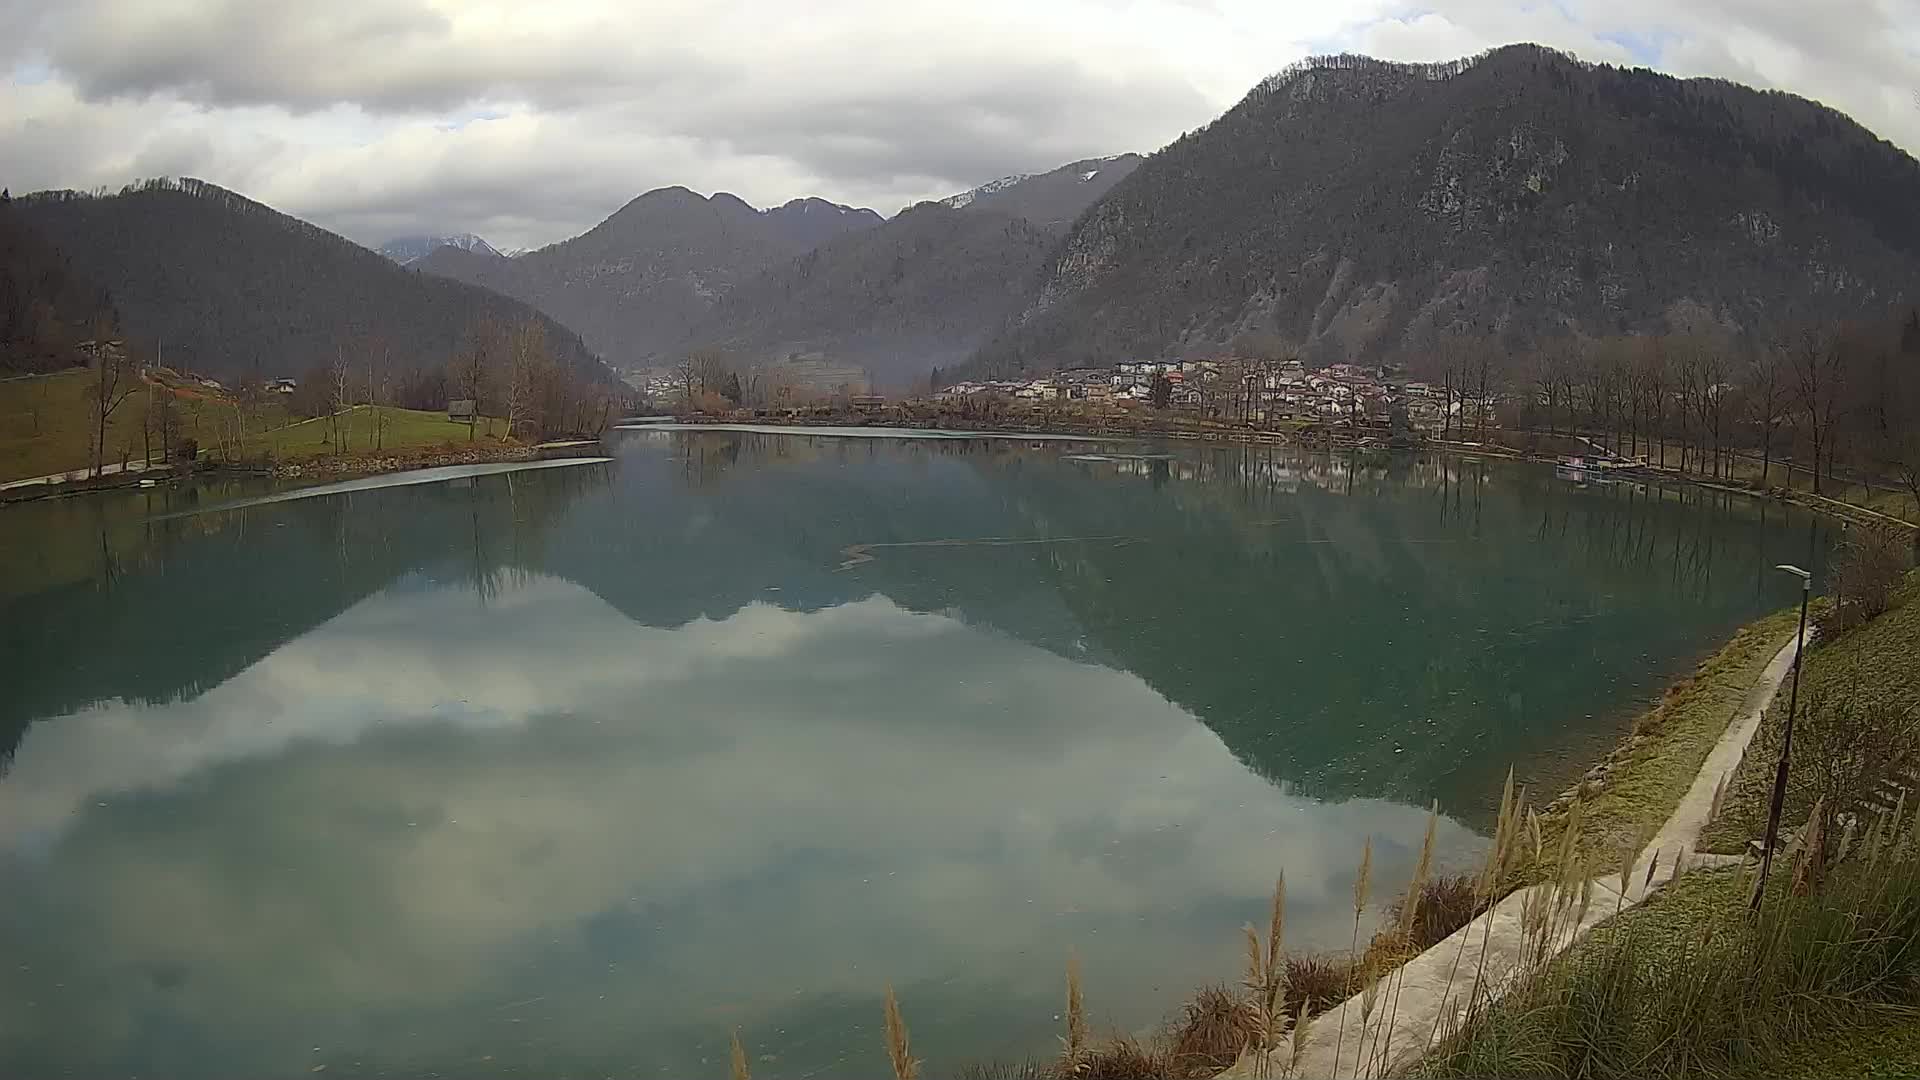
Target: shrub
column 1212, row 1030
column 1120, row 1058
column 1850, row 743
column 1019, row 1070
column 1318, row 981
column 1447, row 903
column 1868, row 563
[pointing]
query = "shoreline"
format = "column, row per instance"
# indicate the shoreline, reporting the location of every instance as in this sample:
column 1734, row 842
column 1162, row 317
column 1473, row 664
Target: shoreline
column 1303, row 437
column 1498, row 941
column 325, row 469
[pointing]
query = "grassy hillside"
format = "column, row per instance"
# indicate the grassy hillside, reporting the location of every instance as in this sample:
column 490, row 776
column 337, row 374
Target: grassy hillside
column 1881, row 659
column 46, row 425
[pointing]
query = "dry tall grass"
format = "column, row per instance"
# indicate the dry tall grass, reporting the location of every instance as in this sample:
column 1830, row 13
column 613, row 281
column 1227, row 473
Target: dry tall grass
column 1076, row 1039
column 1214, row 1028
column 739, row 1057
column 1726, row 995
column 899, row 1048
column 1316, row 982
column 1447, row 903
column 1120, row 1058
column 1362, row 882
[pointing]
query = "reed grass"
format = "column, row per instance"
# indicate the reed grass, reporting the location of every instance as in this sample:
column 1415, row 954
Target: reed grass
column 1362, row 883
column 1076, row 1039
column 1409, row 910
column 739, row 1058
column 899, row 1046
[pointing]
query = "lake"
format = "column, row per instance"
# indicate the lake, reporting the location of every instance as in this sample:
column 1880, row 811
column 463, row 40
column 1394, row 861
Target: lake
column 570, row 772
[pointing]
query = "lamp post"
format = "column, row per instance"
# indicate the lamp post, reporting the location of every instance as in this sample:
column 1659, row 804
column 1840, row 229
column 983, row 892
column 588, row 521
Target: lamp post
column 1786, row 742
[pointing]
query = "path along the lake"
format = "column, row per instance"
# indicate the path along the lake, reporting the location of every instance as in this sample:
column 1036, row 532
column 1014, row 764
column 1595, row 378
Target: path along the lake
column 1435, row 986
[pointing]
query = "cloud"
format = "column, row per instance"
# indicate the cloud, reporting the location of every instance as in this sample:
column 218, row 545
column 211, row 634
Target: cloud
column 1859, row 56
column 528, row 124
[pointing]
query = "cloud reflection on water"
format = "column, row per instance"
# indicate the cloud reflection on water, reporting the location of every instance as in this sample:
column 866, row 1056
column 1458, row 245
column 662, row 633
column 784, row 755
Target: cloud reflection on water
column 419, row 812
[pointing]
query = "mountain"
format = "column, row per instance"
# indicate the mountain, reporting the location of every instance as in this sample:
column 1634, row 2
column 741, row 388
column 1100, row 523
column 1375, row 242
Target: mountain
column 411, row 249
column 1050, row 199
column 1351, row 208
column 639, row 281
column 923, row 290
column 237, row 288
column 46, row 309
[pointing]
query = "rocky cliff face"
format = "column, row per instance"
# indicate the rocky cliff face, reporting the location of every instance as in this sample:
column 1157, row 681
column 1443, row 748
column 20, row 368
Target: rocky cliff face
column 1354, row 209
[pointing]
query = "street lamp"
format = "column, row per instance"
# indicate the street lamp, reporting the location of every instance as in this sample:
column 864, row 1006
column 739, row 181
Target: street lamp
column 1786, row 742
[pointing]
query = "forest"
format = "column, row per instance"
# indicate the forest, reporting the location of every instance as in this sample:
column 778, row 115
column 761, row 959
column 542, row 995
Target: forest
column 212, row 282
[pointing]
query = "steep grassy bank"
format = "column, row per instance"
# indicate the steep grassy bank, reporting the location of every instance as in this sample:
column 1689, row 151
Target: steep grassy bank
column 1879, row 661
column 1636, row 788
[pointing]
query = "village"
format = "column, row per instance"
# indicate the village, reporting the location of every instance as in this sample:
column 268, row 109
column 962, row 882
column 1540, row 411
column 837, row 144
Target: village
column 1229, row 390
column 1244, row 391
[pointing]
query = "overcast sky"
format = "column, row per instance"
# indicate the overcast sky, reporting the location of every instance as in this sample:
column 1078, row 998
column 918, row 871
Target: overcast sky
column 528, row 122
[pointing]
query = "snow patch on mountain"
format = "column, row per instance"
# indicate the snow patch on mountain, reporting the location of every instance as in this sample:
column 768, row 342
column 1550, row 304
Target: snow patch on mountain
column 411, row 249
column 966, row 198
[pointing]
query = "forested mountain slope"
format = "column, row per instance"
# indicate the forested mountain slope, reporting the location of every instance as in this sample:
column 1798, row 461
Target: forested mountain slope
column 1350, row 208
column 229, row 287
column 639, row 281
column 921, row 291
column 46, row 309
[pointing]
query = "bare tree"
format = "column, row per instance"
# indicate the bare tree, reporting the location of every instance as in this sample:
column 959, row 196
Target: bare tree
column 1766, row 398
column 1659, row 378
column 159, row 424
column 114, row 380
column 472, row 368
column 339, row 394
column 1688, row 357
column 379, row 388
column 1485, row 364
column 529, row 374
column 1708, row 370
column 1819, row 376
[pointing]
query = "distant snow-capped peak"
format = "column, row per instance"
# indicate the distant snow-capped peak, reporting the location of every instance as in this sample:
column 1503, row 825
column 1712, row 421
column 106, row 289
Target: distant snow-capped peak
column 965, row 198
column 409, row 249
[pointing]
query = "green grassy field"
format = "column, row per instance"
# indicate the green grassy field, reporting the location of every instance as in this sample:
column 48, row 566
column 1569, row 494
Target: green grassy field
column 46, row 426
column 399, row 430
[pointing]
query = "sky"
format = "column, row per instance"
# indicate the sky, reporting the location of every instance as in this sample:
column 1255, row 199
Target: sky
column 528, row 123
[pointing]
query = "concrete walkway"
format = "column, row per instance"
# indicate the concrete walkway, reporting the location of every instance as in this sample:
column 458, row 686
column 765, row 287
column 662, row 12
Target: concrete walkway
column 1434, row 987
column 83, row 473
